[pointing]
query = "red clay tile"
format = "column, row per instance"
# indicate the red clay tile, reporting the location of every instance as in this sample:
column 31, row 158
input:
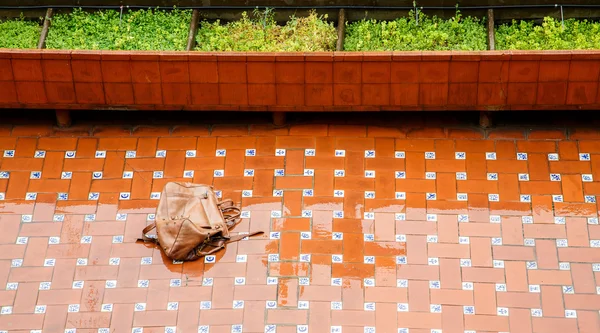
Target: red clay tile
column 552, row 93
column 89, row 93
column 318, row 72
column 433, row 93
column 493, row 71
column 377, row 56
column 119, row 93
column 262, row 94
column 57, row 70
column 233, row 94
column 585, row 134
column 261, row 72
column 375, row 94
column 290, row 94
column 581, row 70
column 86, row 71
column 232, row 72
column 8, row 92
column 174, row 71
column 205, row 93
column 86, row 55
column 318, row 94
column 582, row 92
column 60, row 92
column 289, row 72
column 376, row 72
column 524, row 71
column 347, row 72
column 149, row 93
column 405, row 72
column 522, row 93
column 464, row 71
column 554, row 71
column 116, row 56
column 376, row 131
column 6, row 72
column 347, row 94
column 405, row 94
column 549, row 135
column 492, row 94
column 176, row 93
column 116, row 71
column 434, row 72
column 31, row 92
column 27, row 69
column 407, row 55
column 203, row 72
column 462, row 94
column 465, row 134
column 145, row 71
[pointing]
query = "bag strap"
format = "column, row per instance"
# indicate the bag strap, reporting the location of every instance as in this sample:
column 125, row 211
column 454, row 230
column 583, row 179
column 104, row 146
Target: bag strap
column 238, row 238
column 220, row 243
column 145, row 232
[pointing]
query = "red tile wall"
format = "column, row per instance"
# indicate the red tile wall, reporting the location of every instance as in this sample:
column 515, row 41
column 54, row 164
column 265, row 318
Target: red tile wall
column 340, row 81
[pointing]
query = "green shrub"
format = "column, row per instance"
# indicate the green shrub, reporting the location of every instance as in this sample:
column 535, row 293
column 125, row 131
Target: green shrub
column 550, row 35
column 105, row 30
column 261, row 33
column 19, row 34
column 404, row 34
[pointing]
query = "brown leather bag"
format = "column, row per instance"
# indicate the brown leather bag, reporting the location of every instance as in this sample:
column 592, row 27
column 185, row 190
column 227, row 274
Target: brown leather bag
column 191, row 223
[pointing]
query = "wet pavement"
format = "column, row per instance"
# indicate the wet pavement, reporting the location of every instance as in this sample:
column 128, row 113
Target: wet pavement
column 367, row 229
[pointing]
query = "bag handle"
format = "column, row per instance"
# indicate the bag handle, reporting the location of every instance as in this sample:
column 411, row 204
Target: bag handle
column 227, row 202
column 145, row 232
column 236, row 211
column 226, row 206
column 232, row 219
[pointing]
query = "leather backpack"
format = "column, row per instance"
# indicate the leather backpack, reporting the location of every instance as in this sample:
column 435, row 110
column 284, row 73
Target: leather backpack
column 191, row 223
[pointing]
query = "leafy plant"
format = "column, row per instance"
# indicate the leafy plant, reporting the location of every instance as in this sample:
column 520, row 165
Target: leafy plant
column 550, row 35
column 262, row 33
column 19, row 34
column 109, row 30
column 417, row 33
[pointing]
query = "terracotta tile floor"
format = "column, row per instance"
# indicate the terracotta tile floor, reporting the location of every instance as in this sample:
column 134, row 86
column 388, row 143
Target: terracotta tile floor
column 368, row 229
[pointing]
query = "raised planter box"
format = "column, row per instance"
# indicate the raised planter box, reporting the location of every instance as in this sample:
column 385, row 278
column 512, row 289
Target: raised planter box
column 336, row 81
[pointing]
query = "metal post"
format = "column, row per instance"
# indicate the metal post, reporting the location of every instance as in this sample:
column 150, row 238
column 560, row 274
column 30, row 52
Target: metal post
column 485, row 119
column 562, row 17
column 278, row 119
column 491, row 30
column 45, row 27
column 63, row 118
column 341, row 30
column 191, row 43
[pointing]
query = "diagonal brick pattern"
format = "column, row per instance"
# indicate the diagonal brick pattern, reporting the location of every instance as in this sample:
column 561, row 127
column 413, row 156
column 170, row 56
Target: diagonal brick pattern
column 367, row 229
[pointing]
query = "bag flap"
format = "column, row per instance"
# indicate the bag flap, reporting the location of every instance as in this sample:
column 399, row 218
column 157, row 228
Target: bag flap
column 179, row 237
column 194, row 210
column 175, row 196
